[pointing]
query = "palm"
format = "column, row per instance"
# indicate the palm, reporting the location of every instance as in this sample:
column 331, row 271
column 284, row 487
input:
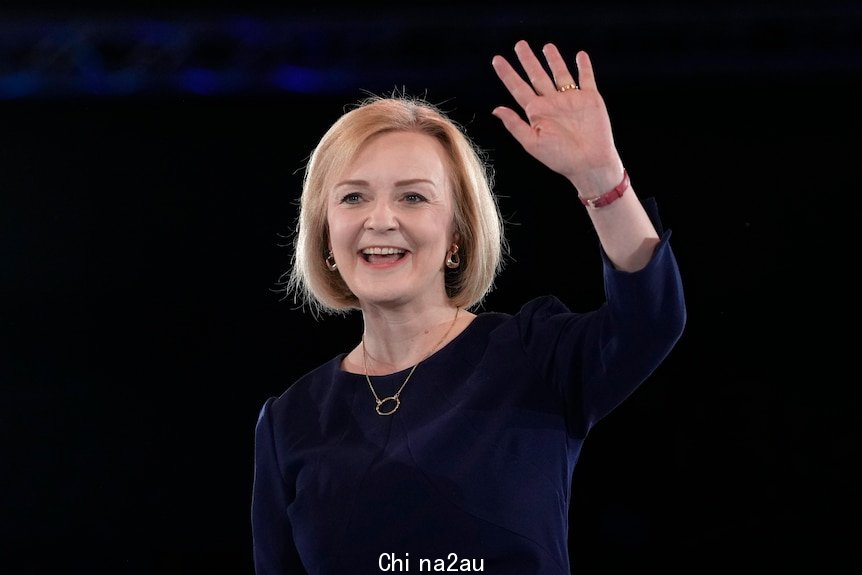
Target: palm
column 570, row 132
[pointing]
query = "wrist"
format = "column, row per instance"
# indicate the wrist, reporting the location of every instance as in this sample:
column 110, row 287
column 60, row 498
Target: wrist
column 608, row 197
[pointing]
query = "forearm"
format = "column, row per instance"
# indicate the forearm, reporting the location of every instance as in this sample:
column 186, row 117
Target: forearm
column 625, row 231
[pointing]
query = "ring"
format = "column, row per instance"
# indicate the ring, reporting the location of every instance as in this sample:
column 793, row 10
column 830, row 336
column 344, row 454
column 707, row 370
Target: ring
column 568, row 87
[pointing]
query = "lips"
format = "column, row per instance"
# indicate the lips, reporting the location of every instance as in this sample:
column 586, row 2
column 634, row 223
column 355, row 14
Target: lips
column 382, row 254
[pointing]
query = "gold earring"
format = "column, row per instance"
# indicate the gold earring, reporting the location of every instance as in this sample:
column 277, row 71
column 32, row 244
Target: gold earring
column 330, row 262
column 453, row 260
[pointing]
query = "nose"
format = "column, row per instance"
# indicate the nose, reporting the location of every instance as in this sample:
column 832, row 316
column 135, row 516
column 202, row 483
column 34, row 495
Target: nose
column 381, row 217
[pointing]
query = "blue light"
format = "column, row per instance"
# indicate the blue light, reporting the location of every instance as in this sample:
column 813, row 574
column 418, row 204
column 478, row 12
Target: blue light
column 200, row 81
column 309, row 80
column 19, row 85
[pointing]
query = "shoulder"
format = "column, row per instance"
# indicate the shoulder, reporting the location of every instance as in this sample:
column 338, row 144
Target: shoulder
column 307, row 391
column 535, row 309
column 305, row 405
column 540, row 314
column 543, row 306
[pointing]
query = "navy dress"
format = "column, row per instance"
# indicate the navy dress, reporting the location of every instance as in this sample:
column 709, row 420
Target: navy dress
column 475, row 468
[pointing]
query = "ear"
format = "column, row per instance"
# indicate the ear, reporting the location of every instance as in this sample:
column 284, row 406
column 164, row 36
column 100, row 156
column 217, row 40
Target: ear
column 456, row 237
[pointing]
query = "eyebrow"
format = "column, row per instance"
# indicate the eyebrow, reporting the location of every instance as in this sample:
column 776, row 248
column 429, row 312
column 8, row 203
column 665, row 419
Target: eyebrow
column 399, row 183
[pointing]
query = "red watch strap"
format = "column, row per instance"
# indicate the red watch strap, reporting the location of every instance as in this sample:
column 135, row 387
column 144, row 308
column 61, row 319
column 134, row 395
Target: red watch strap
column 608, row 197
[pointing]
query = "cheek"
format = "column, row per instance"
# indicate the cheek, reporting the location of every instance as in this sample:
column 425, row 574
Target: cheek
column 341, row 232
column 447, row 223
column 333, row 224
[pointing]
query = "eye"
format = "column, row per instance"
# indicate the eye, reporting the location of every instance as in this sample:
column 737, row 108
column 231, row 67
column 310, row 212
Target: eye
column 414, row 198
column 351, row 198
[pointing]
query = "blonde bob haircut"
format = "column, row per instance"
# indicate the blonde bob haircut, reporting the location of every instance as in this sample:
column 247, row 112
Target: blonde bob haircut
column 477, row 214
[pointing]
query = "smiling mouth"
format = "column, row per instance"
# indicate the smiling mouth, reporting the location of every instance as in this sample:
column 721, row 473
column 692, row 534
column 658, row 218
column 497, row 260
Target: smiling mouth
column 382, row 255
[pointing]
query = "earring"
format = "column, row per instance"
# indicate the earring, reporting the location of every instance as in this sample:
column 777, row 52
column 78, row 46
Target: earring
column 453, row 260
column 330, row 262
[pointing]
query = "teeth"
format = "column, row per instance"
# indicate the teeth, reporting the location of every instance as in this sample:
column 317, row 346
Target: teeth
column 382, row 251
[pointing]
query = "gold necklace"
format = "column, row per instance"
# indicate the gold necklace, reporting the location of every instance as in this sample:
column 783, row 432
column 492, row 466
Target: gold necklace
column 396, row 397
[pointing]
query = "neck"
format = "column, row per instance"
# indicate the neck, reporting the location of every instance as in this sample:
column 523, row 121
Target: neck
column 398, row 341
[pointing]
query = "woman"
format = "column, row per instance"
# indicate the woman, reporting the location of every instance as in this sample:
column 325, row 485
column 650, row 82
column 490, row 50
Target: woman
column 447, row 438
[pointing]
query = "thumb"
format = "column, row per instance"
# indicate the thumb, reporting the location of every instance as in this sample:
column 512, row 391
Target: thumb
column 513, row 123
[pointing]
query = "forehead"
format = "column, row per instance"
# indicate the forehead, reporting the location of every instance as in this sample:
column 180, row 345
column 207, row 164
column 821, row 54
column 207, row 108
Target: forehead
column 411, row 154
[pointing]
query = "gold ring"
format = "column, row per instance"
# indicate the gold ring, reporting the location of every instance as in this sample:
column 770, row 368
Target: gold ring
column 568, row 87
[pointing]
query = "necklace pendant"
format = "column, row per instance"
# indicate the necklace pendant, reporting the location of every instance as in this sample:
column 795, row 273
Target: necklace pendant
column 393, row 399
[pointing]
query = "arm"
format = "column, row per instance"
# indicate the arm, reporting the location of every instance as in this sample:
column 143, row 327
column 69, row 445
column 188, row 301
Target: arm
column 570, row 132
column 273, row 546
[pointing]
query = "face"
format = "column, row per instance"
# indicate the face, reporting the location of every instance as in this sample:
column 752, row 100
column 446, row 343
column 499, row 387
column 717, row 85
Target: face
column 390, row 217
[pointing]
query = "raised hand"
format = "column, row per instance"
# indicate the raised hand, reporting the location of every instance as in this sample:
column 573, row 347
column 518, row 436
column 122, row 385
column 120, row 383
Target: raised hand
column 567, row 126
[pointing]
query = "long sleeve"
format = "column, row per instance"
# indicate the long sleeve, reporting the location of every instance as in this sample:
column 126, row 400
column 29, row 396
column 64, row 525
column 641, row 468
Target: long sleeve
column 596, row 359
column 274, row 550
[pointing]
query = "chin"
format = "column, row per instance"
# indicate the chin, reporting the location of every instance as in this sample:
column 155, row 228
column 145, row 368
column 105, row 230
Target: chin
column 383, row 299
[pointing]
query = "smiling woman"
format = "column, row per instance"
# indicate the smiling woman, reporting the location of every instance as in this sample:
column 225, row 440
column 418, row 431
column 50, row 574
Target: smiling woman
column 435, row 165
column 446, row 433
column 385, row 220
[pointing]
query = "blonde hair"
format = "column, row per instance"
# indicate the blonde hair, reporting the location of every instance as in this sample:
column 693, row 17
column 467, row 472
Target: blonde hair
column 477, row 215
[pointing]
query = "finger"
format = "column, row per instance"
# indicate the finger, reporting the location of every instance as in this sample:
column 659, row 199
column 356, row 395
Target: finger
column 586, row 78
column 562, row 76
column 539, row 78
column 514, row 124
column 520, row 90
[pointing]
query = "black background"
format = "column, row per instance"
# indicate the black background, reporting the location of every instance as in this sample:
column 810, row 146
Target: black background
column 142, row 240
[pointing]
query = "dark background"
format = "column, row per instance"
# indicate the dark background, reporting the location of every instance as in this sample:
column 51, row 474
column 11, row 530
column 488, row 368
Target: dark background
column 150, row 164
